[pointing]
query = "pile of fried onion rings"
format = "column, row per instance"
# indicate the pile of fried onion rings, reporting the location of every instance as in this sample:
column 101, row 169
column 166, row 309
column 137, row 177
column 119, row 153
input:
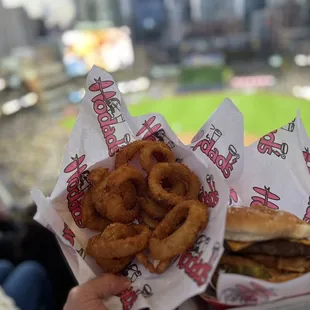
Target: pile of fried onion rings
column 150, row 213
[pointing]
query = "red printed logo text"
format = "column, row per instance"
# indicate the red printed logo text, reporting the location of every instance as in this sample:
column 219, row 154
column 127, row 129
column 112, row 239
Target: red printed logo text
column 307, row 214
column 207, row 146
column 151, row 130
column 108, row 110
column 68, row 234
column 306, row 155
column 76, row 185
column 193, row 264
column 267, row 144
column 129, row 296
column 211, row 196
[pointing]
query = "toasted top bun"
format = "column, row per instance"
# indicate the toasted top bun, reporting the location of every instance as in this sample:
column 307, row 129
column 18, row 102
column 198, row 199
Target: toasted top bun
column 259, row 223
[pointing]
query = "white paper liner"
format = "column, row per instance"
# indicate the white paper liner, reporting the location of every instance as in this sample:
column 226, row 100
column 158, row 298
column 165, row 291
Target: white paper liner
column 275, row 174
column 296, row 303
column 103, row 126
column 220, row 141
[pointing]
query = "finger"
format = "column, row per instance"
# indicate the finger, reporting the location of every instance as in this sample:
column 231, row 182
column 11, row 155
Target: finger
column 107, row 285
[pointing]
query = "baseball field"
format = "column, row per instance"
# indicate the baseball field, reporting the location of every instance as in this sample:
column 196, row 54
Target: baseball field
column 263, row 111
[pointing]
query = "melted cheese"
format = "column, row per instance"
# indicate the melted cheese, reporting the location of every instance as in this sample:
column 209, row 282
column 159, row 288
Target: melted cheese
column 302, row 241
column 236, row 246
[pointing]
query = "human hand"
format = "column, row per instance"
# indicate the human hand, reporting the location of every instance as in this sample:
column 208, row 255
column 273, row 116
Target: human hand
column 90, row 294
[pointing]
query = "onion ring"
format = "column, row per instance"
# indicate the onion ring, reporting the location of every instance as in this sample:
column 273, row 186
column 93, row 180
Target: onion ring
column 90, row 217
column 120, row 185
column 127, row 192
column 115, row 265
column 114, row 199
column 116, row 210
column 118, row 231
column 152, row 208
column 172, row 185
column 97, row 175
column 171, row 214
column 112, row 232
column 169, row 239
column 128, row 152
column 158, row 150
column 149, row 221
column 144, row 260
column 98, row 195
column 177, row 171
column 159, row 210
column 105, row 247
column 124, row 174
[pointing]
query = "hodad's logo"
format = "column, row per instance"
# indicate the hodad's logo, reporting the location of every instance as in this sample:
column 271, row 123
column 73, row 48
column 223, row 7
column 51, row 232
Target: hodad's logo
column 129, row 296
column 193, row 263
column 77, row 184
column 151, row 130
column 207, row 146
column 209, row 197
column 108, row 110
column 267, row 144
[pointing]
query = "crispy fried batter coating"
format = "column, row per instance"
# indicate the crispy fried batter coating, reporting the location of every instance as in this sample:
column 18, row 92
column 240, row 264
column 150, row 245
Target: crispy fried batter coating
column 172, row 236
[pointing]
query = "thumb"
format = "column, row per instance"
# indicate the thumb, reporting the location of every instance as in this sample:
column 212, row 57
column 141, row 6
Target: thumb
column 107, row 285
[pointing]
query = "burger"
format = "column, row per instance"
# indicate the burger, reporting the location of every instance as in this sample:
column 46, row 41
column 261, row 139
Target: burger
column 265, row 244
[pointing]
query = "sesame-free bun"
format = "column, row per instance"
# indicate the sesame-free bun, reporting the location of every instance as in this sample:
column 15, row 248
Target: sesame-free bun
column 259, row 223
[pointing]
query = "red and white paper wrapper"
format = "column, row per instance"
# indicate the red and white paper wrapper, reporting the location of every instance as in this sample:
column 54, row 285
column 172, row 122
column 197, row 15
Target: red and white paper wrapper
column 104, row 126
column 275, row 174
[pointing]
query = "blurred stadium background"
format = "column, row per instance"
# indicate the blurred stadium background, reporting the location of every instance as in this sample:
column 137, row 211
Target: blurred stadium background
column 180, row 58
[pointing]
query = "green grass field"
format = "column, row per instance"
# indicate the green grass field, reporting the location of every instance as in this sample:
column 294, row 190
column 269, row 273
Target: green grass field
column 186, row 114
column 262, row 111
